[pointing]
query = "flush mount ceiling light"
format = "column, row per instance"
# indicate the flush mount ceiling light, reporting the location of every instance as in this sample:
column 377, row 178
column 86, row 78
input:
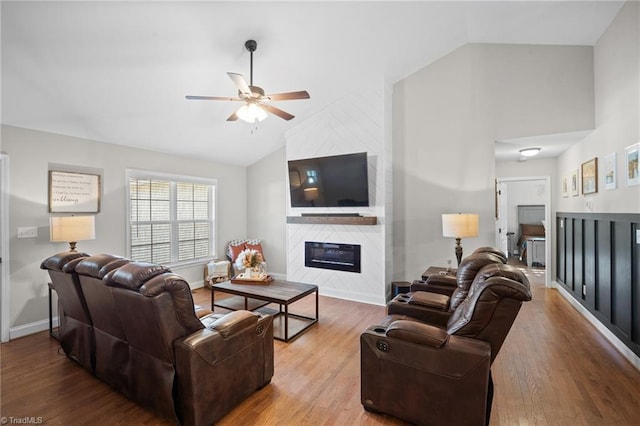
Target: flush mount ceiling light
column 529, row 152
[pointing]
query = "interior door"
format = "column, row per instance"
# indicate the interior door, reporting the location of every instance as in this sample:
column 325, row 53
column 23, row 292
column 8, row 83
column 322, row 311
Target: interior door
column 502, row 241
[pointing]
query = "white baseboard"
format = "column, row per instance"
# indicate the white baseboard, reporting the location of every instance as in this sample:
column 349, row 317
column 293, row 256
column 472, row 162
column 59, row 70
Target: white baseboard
column 612, row 338
column 355, row 297
column 31, row 328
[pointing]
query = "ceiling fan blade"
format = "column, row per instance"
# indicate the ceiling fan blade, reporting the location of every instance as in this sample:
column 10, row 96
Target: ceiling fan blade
column 240, row 82
column 212, row 98
column 303, row 94
column 233, row 117
column 276, row 111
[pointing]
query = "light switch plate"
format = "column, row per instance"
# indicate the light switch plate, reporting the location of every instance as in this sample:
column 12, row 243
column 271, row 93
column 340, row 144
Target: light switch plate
column 28, row 232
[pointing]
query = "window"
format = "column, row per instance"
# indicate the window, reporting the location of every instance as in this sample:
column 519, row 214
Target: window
column 171, row 218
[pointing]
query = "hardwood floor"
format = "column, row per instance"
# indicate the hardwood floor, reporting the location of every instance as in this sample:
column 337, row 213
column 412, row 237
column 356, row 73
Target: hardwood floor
column 554, row 369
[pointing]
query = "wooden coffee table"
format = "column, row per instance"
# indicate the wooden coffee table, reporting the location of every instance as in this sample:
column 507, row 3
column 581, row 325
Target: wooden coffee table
column 255, row 297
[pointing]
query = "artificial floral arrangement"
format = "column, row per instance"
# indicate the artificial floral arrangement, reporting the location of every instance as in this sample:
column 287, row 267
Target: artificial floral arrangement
column 249, row 258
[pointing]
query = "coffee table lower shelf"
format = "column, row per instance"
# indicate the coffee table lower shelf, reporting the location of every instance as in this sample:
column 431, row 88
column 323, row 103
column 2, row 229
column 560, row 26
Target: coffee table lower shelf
column 294, row 323
column 235, row 303
column 286, row 325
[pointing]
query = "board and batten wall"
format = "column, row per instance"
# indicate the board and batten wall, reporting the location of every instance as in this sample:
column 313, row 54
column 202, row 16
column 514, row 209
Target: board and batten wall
column 32, row 152
column 598, row 264
column 598, row 246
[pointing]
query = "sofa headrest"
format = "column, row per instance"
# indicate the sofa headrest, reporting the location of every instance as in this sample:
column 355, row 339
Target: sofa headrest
column 470, row 266
column 133, row 275
column 57, row 261
column 492, row 250
column 501, row 270
column 99, row 265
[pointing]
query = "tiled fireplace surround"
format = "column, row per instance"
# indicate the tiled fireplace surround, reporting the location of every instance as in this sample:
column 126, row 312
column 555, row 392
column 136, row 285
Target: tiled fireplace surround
column 355, row 123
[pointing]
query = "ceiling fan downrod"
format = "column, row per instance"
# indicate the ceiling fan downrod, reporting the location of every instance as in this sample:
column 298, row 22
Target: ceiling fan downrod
column 251, row 46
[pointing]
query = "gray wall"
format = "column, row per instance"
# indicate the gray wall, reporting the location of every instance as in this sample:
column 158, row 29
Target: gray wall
column 30, row 154
column 446, row 119
column 266, row 208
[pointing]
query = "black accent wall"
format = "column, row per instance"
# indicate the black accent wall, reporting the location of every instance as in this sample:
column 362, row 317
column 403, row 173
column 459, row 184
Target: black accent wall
column 598, row 263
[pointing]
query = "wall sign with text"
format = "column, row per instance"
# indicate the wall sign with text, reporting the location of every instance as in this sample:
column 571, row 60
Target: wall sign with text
column 71, row 192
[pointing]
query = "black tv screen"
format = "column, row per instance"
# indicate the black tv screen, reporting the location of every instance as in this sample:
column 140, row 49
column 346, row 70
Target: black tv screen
column 335, row 181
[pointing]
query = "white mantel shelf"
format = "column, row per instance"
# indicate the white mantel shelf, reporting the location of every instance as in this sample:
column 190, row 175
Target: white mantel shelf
column 334, row 220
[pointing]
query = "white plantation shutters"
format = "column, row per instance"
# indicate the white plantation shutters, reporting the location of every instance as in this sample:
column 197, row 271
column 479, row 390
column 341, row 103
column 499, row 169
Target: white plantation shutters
column 170, row 221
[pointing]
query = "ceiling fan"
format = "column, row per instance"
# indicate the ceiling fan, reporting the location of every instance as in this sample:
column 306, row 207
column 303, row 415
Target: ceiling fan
column 256, row 103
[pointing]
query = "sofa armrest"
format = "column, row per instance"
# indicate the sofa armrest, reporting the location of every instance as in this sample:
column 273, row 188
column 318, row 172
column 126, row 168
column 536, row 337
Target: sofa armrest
column 215, row 372
column 400, row 306
column 419, row 333
column 233, row 322
column 430, row 300
column 448, row 280
column 443, row 284
column 391, row 363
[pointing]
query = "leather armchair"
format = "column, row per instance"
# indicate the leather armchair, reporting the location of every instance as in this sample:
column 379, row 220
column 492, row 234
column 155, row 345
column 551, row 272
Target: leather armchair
column 75, row 331
column 425, row 374
column 435, row 307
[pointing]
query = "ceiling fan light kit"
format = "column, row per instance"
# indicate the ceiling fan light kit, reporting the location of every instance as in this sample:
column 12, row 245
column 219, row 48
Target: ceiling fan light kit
column 251, row 113
column 256, row 103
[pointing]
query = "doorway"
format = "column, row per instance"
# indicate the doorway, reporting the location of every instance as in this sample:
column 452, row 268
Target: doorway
column 525, row 191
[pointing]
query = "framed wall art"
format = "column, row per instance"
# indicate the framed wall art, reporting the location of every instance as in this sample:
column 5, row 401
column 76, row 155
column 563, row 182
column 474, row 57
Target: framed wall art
column 631, row 160
column 565, row 186
column 589, row 172
column 609, row 171
column 71, row 192
column 574, row 183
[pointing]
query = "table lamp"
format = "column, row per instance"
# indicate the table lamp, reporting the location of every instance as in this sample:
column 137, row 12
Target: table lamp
column 458, row 226
column 72, row 229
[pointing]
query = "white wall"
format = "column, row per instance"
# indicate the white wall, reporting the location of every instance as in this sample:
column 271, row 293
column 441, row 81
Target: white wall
column 522, row 193
column 266, row 208
column 446, row 119
column 355, row 123
column 31, row 152
column 617, row 109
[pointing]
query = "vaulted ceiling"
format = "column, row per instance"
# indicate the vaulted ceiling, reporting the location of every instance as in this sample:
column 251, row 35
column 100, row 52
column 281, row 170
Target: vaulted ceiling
column 117, row 72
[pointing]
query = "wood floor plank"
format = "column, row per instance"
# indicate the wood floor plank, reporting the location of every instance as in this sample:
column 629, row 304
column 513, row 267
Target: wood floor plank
column 554, row 369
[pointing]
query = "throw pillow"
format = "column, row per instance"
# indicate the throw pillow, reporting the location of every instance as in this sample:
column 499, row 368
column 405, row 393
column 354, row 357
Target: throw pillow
column 256, row 247
column 235, row 251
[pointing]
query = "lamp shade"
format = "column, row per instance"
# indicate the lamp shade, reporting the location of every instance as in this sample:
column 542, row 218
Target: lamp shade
column 72, row 228
column 311, row 193
column 459, row 225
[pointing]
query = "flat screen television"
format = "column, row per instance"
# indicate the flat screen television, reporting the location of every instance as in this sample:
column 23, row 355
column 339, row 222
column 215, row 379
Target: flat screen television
column 335, row 181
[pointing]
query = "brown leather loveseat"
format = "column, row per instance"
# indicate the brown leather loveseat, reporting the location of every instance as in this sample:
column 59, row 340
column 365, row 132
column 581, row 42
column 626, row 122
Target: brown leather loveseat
column 145, row 339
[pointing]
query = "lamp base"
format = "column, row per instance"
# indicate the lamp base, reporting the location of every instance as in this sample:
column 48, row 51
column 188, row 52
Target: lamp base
column 458, row 251
column 72, row 246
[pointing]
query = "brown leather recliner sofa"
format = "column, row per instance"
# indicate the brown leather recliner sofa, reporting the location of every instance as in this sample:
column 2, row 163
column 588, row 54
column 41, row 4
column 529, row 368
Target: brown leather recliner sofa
column 436, row 306
column 147, row 341
column 75, row 330
column 440, row 375
column 446, row 284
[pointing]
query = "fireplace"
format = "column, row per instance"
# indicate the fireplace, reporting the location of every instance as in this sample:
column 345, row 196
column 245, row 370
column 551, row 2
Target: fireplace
column 339, row 257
